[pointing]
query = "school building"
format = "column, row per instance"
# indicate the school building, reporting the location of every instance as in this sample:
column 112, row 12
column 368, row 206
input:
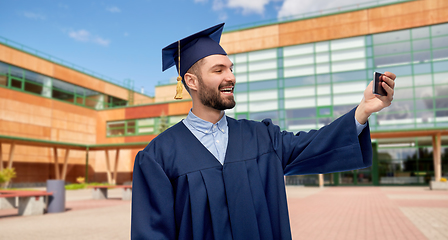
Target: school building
column 63, row 122
column 301, row 72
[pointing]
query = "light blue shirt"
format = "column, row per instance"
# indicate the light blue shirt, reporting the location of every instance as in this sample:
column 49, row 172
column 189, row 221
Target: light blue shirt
column 359, row 126
column 215, row 137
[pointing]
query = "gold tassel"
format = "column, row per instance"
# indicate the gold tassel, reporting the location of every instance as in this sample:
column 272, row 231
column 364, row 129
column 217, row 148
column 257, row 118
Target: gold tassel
column 179, row 78
column 179, row 88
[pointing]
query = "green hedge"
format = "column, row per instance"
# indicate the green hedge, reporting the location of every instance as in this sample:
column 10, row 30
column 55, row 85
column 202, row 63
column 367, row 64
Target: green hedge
column 76, row 186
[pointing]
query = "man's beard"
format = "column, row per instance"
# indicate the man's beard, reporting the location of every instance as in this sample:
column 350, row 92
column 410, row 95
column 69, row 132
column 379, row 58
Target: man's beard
column 212, row 97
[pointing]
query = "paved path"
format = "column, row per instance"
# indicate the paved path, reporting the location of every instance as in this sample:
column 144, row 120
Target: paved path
column 316, row 213
column 369, row 213
column 85, row 218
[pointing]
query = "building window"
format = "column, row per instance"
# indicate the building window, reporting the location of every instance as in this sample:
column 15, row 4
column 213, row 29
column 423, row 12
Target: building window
column 116, row 102
column 144, row 126
column 116, row 128
column 31, row 82
column 314, row 83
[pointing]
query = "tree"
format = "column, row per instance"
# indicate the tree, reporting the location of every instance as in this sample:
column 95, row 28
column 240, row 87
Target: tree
column 163, row 124
column 6, row 175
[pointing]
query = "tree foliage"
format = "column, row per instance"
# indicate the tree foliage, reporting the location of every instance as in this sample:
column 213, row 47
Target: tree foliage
column 6, row 175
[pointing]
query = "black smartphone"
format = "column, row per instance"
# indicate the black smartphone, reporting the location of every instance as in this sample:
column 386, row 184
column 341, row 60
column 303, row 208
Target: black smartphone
column 377, row 84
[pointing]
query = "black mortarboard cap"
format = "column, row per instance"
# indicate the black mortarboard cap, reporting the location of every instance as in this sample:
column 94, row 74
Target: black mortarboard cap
column 192, row 49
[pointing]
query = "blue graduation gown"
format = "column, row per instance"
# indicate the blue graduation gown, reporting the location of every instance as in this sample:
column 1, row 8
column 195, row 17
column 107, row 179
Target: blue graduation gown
column 181, row 191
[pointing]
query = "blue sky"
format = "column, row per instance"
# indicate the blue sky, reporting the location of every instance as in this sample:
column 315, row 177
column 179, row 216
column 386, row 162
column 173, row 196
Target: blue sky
column 124, row 39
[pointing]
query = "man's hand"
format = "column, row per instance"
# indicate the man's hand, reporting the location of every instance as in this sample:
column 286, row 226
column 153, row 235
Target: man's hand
column 373, row 103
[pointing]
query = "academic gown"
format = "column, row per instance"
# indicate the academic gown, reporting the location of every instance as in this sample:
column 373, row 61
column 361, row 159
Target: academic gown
column 181, row 191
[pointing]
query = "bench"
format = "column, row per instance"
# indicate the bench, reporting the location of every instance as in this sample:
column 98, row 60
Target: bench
column 30, row 202
column 100, row 191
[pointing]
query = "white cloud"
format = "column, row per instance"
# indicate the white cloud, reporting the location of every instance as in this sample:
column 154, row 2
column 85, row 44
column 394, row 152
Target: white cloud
column 246, row 6
column 35, row 16
column 84, row 36
column 288, row 7
column 113, row 9
column 218, row 5
column 80, row 35
column 294, row 7
column 101, row 41
column 249, row 6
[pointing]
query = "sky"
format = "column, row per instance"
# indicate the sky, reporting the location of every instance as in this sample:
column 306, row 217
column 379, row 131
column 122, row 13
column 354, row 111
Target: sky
column 124, row 39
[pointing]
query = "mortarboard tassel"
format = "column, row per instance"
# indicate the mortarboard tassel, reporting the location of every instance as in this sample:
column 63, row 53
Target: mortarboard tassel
column 179, row 78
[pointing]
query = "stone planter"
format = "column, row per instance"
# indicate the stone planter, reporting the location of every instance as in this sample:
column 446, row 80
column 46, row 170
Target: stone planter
column 438, row 185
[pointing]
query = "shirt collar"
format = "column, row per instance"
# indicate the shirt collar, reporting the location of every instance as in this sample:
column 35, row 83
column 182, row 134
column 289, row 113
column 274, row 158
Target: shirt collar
column 204, row 126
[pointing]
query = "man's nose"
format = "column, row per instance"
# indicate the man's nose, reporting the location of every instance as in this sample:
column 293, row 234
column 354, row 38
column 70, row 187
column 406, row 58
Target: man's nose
column 231, row 77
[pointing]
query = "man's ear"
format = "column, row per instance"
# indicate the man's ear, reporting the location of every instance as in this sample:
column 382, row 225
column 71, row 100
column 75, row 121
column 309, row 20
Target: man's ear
column 191, row 81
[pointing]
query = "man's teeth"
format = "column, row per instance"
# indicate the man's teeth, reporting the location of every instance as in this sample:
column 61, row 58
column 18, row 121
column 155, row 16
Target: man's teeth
column 227, row 89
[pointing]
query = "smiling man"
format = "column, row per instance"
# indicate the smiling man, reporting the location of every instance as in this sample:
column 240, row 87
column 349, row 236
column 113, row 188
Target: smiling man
column 216, row 94
column 213, row 177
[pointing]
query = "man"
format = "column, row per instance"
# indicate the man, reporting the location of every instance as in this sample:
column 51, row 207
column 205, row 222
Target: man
column 214, row 177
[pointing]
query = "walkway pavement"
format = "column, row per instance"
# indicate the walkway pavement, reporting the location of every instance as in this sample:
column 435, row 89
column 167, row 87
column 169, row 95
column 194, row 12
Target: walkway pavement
column 316, row 213
column 85, row 218
column 368, row 213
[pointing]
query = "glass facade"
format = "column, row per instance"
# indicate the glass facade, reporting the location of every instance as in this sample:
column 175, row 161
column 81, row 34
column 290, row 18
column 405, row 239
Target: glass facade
column 409, row 161
column 143, row 126
column 307, row 86
column 24, row 80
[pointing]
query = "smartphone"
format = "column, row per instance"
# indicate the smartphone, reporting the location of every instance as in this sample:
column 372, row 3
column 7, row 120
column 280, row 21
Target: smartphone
column 377, row 84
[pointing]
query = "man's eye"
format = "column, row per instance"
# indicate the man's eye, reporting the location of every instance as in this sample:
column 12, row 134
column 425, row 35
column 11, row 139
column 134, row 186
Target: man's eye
column 218, row 71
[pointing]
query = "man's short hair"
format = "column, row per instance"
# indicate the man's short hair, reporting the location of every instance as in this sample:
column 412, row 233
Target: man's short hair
column 195, row 70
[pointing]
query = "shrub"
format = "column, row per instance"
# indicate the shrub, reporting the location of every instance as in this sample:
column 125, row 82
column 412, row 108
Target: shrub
column 80, row 180
column 6, row 175
column 76, row 186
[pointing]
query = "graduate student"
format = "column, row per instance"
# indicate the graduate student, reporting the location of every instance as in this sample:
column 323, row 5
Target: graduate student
column 213, row 177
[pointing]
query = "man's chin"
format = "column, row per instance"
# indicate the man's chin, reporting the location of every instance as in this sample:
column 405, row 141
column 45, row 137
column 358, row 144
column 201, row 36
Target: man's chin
column 228, row 103
column 231, row 106
column 223, row 107
column 228, row 108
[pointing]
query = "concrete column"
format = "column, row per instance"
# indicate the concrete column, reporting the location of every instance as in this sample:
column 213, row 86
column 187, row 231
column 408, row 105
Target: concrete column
column 1, row 158
column 437, row 156
column 64, row 168
column 114, row 181
column 109, row 178
column 321, row 180
column 56, row 163
column 11, row 154
column 87, row 166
